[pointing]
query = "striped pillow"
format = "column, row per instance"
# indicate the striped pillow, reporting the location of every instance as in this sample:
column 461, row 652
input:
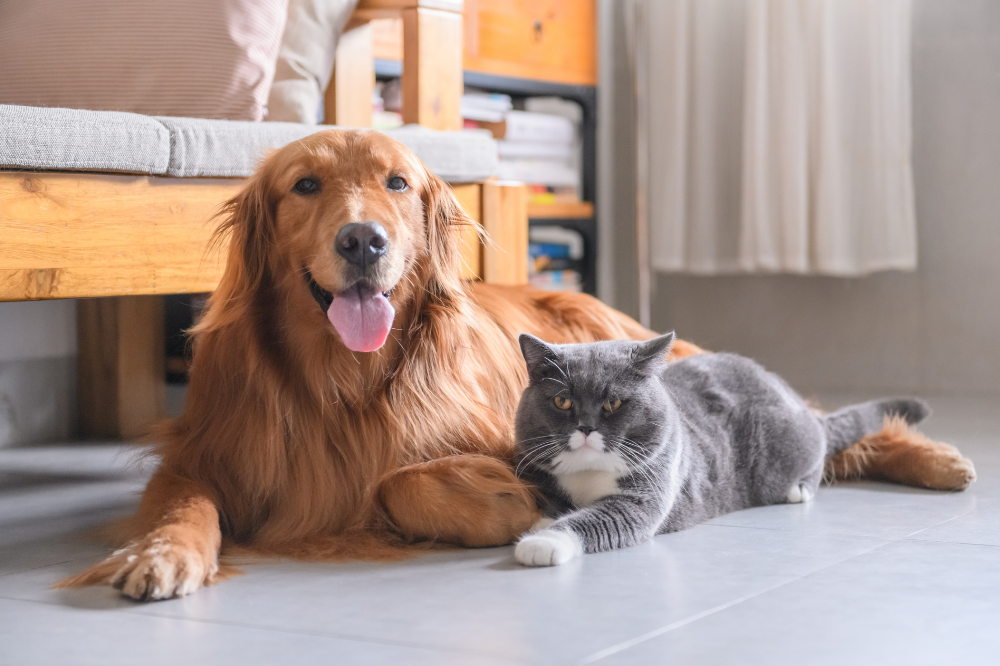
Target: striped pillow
column 195, row 58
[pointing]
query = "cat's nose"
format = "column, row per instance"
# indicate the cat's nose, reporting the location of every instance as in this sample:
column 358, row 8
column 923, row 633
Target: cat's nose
column 585, row 429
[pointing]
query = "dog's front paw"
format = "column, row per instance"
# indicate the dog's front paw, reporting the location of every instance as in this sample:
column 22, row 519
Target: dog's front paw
column 547, row 548
column 162, row 567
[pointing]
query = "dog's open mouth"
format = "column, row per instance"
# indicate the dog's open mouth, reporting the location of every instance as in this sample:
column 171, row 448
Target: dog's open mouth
column 361, row 314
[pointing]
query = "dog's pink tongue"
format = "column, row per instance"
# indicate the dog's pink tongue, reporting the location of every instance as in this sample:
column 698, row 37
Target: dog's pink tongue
column 362, row 318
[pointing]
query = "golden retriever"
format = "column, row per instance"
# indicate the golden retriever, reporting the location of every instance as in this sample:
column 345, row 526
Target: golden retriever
column 349, row 393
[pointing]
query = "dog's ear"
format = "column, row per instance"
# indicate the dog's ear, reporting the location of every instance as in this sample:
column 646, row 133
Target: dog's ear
column 248, row 222
column 445, row 221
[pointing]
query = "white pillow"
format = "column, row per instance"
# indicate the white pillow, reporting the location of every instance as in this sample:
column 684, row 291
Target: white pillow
column 305, row 59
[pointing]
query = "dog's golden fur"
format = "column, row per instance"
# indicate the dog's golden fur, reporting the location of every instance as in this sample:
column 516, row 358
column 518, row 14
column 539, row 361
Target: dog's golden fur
column 292, row 443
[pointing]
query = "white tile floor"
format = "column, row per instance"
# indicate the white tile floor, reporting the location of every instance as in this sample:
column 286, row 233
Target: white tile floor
column 868, row 573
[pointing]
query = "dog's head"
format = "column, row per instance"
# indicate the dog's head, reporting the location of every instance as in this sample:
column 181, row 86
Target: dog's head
column 353, row 218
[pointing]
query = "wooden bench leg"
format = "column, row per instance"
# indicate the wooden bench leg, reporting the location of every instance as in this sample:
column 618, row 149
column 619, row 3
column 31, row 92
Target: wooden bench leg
column 121, row 365
column 348, row 99
column 432, row 68
column 505, row 219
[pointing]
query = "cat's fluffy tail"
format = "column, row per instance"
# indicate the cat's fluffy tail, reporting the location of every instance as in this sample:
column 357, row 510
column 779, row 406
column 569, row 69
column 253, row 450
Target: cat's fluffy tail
column 848, row 425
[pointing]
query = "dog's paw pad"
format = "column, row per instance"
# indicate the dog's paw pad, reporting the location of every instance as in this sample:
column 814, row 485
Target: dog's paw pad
column 547, row 548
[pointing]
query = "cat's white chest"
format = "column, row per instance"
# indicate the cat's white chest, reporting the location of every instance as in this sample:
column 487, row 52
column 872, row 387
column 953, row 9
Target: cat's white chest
column 587, row 486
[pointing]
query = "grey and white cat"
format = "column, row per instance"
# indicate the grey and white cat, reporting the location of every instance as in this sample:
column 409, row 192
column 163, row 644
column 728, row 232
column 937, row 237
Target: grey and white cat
column 623, row 445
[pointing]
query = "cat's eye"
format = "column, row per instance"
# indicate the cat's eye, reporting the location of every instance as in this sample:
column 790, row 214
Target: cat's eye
column 610, row 406
column 307, row 186
column 397, row 184
column 563, row 403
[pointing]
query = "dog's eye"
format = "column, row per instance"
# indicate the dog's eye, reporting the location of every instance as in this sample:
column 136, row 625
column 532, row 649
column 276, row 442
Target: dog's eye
column 610, row 406
column 397, row 184
column 306, row 186
column 563, row 403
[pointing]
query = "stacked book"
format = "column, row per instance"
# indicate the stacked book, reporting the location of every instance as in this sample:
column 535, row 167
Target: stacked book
column 538, row 146
column 485, row 107
column 555, row 258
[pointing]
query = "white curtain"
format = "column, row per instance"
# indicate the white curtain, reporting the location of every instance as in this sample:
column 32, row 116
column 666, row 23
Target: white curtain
column 777, row 135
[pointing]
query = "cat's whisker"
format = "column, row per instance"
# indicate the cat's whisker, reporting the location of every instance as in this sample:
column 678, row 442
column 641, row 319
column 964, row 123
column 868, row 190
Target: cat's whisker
column 535, row 454
column 630, row 462
column 526, row 463
column 644, row 471
column 531, row 439
column 638, row 465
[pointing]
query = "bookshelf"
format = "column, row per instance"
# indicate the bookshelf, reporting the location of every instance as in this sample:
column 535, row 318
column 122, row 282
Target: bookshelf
column 544, row 48
column 555, row 211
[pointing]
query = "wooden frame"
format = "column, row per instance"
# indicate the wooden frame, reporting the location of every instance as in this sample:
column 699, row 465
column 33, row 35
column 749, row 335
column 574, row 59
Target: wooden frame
column 85, row 235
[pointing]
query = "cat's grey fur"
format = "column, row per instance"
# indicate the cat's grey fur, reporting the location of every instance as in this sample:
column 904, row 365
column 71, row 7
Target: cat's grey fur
column 692, row 439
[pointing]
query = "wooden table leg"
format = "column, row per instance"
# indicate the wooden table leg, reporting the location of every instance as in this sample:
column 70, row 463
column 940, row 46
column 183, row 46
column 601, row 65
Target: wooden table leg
column 121, row 365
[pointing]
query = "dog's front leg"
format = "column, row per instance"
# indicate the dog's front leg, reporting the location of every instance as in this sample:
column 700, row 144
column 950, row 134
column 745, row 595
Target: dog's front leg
column 467, row 500
column 179, row 551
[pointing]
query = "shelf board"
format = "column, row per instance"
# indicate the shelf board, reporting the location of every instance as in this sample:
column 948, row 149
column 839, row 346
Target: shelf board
column 560, row 211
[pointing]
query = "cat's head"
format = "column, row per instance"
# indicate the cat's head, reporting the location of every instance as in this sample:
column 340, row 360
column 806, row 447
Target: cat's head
column 595, row 406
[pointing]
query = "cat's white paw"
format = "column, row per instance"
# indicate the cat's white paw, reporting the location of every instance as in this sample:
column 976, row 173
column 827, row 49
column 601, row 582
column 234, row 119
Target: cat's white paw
column 547, row 548
column 799, row 494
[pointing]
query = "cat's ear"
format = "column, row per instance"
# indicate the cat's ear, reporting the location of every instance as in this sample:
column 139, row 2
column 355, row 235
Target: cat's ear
column 538, row 355
column 652, row 354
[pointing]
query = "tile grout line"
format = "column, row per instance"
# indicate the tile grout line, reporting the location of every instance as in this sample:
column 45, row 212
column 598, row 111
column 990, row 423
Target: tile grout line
column 39, row 568
column 318, row 634
column 291, row 632
column 956, row 543
column 47, row 566
column 924, row 529
column 624, row 645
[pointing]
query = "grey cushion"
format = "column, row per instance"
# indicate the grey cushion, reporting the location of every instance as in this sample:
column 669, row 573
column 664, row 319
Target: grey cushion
column 225, row 147
column 454, row 156
column 44, row 138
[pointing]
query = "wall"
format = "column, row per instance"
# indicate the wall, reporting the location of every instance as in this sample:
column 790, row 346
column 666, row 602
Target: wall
column 933, row 331
column 616, row 163
column 37, row 371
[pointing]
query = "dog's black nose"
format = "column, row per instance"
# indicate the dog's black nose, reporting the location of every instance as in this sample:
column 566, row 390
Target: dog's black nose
column 585, row 429
column 362, row 243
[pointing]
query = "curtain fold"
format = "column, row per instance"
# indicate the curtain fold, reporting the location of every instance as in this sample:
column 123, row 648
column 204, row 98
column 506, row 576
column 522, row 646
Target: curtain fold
column 779, row 136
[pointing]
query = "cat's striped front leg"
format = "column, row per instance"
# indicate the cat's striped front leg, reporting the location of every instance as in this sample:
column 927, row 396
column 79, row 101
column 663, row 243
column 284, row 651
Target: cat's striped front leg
column 616, row 521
